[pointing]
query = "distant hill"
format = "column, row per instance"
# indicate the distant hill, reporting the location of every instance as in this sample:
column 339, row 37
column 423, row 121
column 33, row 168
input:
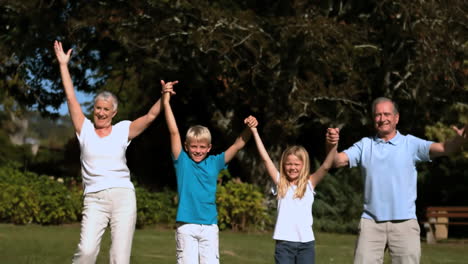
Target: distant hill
column 34, row 129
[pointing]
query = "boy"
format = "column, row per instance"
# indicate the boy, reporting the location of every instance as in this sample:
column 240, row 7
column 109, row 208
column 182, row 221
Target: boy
column 197, row 174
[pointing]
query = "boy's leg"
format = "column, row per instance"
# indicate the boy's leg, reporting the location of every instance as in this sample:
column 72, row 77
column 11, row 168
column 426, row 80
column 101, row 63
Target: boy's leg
column 96, row 212
column 370, row 245
column 209, row 244
column 187, row 243
column 122, row 224
column 404, row 242
column 285, row 252
column 306, row 253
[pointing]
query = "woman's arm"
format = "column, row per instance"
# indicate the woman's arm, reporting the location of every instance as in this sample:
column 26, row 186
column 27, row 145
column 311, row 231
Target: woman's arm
column 74, row 107
column 140, row 124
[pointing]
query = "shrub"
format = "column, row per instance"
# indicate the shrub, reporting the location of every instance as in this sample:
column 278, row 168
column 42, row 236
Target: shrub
column 29, row 198
column 155, row 207
column 18, row 204
column 58, row 204
column 241, row 206
column 338, row 202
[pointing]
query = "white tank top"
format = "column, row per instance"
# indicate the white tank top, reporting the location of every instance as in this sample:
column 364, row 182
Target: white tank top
column 294, row 220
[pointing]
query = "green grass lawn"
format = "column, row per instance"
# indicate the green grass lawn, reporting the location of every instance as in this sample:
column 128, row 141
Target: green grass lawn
column 55, row 244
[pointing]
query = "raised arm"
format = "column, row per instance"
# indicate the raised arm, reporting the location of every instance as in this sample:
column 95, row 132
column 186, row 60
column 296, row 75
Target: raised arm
column 451, row 145
column 327, row 164
column 74, row 107
column 140, row 124
column 332, row 137
column 176, row 143
column 269, row 165
column 241, row 140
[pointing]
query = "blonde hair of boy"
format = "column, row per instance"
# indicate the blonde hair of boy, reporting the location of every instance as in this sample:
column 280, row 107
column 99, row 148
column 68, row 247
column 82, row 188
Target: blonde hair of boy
column 283, row 184
column 198, row 133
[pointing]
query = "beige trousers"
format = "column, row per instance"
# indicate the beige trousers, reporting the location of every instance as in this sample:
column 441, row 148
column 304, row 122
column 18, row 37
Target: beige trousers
column 402, row 239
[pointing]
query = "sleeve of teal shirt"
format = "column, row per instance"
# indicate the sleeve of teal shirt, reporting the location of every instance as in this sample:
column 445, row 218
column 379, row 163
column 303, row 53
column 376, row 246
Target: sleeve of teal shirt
column 220, row 164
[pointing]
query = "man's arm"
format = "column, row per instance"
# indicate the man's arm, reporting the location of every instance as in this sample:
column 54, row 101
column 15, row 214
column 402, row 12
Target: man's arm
column 451, row 145
column 176, row 143
column 339, row 159
column 241, row 140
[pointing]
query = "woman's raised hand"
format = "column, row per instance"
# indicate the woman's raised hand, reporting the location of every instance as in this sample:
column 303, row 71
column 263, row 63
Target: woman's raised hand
column 62, row 57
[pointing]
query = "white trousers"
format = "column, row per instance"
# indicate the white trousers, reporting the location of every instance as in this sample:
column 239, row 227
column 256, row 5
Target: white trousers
column 197, row 244
column 115, row 207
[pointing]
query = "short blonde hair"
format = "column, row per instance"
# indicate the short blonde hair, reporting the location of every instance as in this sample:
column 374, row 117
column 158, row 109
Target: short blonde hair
column 198, row 133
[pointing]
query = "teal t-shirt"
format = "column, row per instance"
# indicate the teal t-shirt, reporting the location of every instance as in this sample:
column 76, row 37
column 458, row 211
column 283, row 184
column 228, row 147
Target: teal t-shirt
column 196, row 186
column 390, row 176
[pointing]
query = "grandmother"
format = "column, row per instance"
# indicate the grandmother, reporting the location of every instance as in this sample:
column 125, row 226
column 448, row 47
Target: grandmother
column 109, row 195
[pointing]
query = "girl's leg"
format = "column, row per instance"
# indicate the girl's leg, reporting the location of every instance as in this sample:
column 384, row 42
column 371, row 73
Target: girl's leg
column 306, row 253
column 285, row 252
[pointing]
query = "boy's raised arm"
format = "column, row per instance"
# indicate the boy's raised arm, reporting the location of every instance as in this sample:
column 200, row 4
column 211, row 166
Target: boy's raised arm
column 176, row 143
column 241, row 140
column 269, row 165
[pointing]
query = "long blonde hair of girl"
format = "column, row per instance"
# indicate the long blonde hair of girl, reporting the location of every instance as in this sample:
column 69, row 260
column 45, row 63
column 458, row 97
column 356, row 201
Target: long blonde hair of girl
column 284, row 183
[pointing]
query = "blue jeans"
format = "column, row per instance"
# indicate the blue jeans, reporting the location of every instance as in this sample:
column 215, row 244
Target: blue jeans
column 287, row 252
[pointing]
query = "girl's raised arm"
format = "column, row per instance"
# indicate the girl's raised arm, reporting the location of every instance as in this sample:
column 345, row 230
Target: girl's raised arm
column 269, row 165
column 327, row 164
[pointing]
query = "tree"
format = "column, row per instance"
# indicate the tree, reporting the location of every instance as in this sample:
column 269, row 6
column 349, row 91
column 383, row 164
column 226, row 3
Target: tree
column 299, row 66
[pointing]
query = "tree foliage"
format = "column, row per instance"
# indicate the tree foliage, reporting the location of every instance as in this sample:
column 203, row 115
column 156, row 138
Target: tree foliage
column 298, row 66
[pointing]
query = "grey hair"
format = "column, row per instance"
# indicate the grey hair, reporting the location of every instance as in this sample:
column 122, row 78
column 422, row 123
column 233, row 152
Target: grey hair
column 107, row 96
column 384, row 99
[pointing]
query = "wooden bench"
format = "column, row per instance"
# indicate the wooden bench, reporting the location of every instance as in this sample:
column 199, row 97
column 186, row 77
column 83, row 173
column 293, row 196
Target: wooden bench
column 440, row 217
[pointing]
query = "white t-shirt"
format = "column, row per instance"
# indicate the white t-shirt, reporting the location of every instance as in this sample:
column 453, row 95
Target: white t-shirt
column 294, row 220
column 103, row 161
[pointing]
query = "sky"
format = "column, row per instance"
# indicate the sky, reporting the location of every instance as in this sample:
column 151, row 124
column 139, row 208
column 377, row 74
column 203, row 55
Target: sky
column 82, row 98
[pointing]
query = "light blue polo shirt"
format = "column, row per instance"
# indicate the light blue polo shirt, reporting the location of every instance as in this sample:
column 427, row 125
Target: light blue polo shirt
column 196, row 185
column 390, row 176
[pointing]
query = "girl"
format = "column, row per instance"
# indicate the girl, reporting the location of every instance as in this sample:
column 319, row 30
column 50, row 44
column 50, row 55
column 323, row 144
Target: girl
column 295, row 242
